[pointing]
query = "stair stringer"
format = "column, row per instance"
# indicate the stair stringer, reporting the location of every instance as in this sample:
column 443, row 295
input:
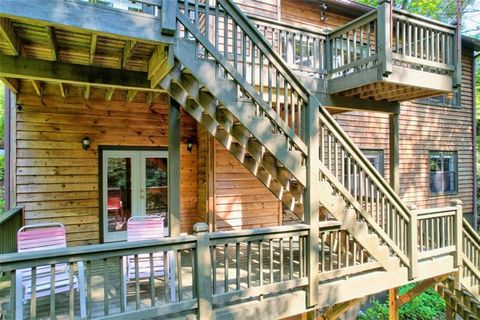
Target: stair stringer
column 197, row 103
column 206, row 73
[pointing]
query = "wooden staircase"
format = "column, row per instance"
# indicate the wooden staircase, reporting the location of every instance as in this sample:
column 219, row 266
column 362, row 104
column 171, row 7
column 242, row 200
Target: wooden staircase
column 256, row 108
column 461, row 301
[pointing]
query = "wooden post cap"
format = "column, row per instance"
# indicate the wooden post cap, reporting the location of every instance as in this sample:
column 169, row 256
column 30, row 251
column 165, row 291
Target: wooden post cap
column 200, row 227
column 456, row 202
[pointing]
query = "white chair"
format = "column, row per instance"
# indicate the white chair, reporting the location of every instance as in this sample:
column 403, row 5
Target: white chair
column 147, row 228
column 43, row 237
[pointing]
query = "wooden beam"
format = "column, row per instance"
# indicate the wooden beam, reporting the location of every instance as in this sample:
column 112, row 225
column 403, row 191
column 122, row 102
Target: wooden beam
column 38, row 87
column 109, row 94
column 48, row 71
column 82, row 15
column 10, row 83
column 86, row 92
column 418, row 289
column 93, row 47
column 356, row 104
column 337, row 310
column 174, row 146
column 127, row 52
column 7, row 32
column 52, row 42
column 63, row 92
column 394, row 147
column 131, row 94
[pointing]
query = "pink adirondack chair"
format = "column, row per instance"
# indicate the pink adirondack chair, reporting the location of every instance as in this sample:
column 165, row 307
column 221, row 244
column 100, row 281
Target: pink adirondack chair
column 148, row 228
column 44, row 237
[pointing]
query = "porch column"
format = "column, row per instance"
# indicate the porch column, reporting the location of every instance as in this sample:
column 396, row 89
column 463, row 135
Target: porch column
column 312, row 202
column 394, row 146
column 174, row 167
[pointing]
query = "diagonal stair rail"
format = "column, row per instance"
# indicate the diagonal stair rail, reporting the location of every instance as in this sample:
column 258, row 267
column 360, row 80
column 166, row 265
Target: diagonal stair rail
column 226, row 36
column 470, row 270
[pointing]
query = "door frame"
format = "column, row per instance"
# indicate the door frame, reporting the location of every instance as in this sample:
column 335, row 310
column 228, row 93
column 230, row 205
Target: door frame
column 101, row 195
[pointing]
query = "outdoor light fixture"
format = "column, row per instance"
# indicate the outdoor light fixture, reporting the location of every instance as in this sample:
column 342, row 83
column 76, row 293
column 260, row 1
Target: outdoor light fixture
column 189, row 145
column 86, row 142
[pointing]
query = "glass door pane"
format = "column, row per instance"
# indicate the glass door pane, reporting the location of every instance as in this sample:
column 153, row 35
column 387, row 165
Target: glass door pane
column 154, row 189
column 119, row 193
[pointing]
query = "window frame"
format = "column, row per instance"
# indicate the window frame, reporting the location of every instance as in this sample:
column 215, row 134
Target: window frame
column 381, row 152
column 442, row 152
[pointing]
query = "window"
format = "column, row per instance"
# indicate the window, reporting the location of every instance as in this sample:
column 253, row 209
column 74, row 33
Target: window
column 375, row 156
column 451, row 100
column 443, row 172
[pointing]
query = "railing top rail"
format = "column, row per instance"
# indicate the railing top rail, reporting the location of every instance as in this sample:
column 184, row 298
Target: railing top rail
column 258, row 231
column 17, row 260
column 5, row 217
column 431, row 22
column 289, row 26
column 367, row 17
column 471, row 232
column 444, row 211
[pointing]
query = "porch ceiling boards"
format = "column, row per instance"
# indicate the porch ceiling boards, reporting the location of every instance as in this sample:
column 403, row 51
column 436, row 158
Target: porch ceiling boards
column 79, row 43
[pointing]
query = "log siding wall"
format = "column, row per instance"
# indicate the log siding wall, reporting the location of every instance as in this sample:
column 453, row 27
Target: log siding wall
column 56, row 180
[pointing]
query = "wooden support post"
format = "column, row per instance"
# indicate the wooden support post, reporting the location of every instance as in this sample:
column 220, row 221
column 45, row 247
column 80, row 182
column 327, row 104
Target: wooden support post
column 312, row 204
column 394, row 141
column 449, row 313
column 203, row 271
column 393, row 310
column 457, row 80
column 412, row 241
column 458, row 236
column 384, row 36
column 169, row 17
column 211, row 182
column 174, row 168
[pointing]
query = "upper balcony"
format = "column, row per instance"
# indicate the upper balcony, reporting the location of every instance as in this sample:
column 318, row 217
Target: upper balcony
column 386, row 54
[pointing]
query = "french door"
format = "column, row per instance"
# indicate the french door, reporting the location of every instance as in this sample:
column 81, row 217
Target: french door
column 134, row 183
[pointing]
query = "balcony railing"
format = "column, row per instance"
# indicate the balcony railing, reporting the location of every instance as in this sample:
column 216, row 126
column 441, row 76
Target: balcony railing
column 206, row 270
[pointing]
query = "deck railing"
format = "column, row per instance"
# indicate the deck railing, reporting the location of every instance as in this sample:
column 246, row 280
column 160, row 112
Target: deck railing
column 353, row 46
column 437, row 231
column 341, row 255
column 200, row 271
column 301, row 47
column 10, row 222
column 422, row 44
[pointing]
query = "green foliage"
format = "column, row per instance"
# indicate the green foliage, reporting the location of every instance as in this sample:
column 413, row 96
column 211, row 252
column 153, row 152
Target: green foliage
column 427, row 306
column 443, row 10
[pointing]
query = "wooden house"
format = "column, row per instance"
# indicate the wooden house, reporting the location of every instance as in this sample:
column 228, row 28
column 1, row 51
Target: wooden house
column 303, row 154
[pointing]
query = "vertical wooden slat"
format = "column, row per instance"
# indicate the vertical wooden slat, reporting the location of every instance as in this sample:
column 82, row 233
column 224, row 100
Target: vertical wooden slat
column 179, row 274
column 33, row 299
column 260, row 261
column 237, row 267
column 71, row 295
column 225, row 264
column 122, row 290
column 249, row 264
column 152, row 279
column 270, row 249
column 52, row 291
column 213, row 254
column 137, row 284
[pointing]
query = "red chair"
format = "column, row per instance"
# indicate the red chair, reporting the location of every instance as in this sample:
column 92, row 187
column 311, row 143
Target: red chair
column 115, row 204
